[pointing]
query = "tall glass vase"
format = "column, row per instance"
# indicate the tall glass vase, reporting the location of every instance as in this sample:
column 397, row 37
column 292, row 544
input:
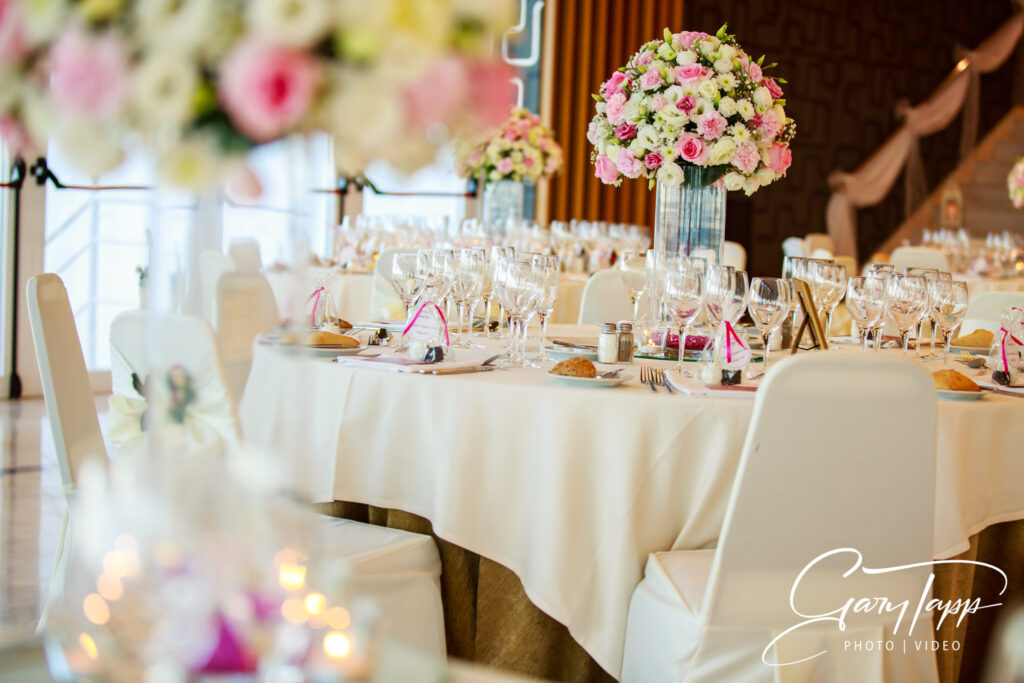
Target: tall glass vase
column 690, row 218
column 503, row 201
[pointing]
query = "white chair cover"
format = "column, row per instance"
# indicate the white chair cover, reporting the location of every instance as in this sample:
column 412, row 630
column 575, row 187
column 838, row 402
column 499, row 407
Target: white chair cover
column 605, row 299
column 245, row 308
column 212, row 264
column 918, row 257
column 794, row 246
column 708, row 615
column 733, row 254
column 69, row 401
column 149, row 345
column 849, row 262
column 819, row 240
column 985, row 312
column 385, row 304
column 245, row 253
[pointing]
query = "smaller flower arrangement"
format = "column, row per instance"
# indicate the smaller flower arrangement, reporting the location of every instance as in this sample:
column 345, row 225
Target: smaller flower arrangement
column 1015, row 183
column 692, row 100
column 521, row 149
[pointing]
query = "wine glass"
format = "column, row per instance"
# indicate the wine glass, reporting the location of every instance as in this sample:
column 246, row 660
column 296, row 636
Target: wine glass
column 406, row 279
column 725, row 294
column 497, row 254
column 930, row 275
column 865, row 300
column 634, row 276
column 768, row 304
column 906, row 298
column 548, row 267
column 683, row 296
column 832, row 279
column 466, row 283
column 948, row 303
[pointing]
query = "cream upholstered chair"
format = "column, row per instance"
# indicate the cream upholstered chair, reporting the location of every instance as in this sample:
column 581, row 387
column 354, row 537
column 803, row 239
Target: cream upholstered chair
column 245, row 253
column 918, row 257
column 823, row 254
column 849, row 262
column 819, row 240
column 245, row 308
column 733, row 254
column 605, row 299
column 69, row 400
column 985, row 312
column 212, row 264
column 794, row 246
column 710, row 615
column 385, row 304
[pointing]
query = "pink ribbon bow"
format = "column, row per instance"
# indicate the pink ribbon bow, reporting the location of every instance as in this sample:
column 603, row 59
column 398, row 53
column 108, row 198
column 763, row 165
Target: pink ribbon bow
column 1002, row 347
column 312, row 314
column 730, row 332
column 444, row 323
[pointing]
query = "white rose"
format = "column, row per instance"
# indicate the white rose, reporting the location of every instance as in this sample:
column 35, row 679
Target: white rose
column 727, row 106
column 780, row 114
column 612, row 150
column 746, row 109
column 672, row 117
column 722, row 151
column 670, row 175
column 723, row 66
column 727, row 52
column 750, row 185
column 733, row 181
column 686, row 57
column 708, row 89
column 673, row 94
column 648, row 135
column 665, row 51
column 765, row 176
column 637, row 148
column 762, row 97
column 709, row 46
column 728, row 81
column 164, row 87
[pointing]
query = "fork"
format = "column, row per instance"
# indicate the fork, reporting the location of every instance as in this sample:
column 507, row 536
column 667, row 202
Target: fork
column 647, row 377
column 659, row 378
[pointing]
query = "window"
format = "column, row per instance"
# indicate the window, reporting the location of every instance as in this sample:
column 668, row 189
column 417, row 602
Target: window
column 440, row 177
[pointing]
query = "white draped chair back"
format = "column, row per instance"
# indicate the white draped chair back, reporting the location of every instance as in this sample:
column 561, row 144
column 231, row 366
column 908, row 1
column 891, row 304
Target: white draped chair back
column 149, row 345
column 733, row 254
column 245, row 253
column 605, row 299
column 245, row 308
column 384, row 300
column 986, row 312
column 794, row 246
column 823, row 254
column 918, row 257
column 819, row 240
column 212, row 264
column 799, row 492
column 849, row 262
column 70, row 406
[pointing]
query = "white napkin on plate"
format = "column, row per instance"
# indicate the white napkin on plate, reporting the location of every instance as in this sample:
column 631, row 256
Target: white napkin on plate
column 402, row 363
column 695, row 387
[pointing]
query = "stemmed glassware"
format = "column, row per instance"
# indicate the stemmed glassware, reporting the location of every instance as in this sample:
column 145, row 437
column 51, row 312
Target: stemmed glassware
column 948, row 303
column 930, row 275
column 405, row 278
column 725, row 294
column 548, row 266
column 467, row 281
column 634, row 275
column 831, row 279
column 768, row 304
column 683, row 296
column 496, row 255
column 907, row 297
column 865, row 301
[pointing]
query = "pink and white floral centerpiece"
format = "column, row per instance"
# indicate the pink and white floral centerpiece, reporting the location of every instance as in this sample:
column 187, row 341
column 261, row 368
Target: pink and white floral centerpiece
column 692, row 100
column 1015, row 183
column 521, row 149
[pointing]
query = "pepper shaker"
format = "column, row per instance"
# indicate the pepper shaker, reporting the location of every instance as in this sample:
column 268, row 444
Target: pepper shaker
column 625, row 335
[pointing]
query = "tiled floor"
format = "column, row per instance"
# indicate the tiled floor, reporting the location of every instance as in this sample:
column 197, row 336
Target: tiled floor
column 31, row 508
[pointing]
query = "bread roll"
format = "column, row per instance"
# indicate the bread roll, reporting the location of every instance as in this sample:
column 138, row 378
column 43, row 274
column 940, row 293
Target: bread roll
column 951, row 380
column 575, row 367
column 976, row 339
column 320, row 338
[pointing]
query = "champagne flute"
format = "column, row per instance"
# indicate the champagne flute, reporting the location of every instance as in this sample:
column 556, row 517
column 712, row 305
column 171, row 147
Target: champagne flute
column 405, row 278
column 633, row 271
column 948, row 305
column 768, row 305
column 548, row 267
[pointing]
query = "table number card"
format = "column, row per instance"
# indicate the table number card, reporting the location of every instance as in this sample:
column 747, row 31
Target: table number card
column 811, row 319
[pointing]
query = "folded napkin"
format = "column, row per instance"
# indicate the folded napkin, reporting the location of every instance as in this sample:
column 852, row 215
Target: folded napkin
column 695, row 387
column 391, row 363
column 1016, row 388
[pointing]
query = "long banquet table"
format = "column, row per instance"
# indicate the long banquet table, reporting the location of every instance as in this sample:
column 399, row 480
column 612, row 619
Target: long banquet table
column 571, row 488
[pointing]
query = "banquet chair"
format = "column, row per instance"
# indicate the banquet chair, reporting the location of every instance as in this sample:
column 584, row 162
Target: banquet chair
column 918, row 257
column 823, row 254
column 818, row 240
column 849, row 262
column 794, row 246
column 605, row 299
column 799, row 493
column 384, row 300
column 245, row 308
column 69, row 401
column 985, row 312
column 245, row 253
column 212, row 264
column 733, row 254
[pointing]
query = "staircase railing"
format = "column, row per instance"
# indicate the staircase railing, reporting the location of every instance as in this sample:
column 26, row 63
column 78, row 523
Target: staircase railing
column 872, row 181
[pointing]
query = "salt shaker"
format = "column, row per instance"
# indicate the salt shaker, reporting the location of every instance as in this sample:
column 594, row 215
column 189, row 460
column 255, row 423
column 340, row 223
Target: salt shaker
column 625, row 334
column 608, row 344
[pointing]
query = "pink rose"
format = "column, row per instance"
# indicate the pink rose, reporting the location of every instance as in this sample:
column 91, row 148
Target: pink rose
column 551, row 166
column 645, row 58
column 625, row 131
column 686, row 38
column 653, row 160
column 629, row 165
column 711, row 125
column 616, row 82
column 651, row 79
column 505, row 166
column 615, row 108
column 658, row 103
column 266, row 89
column 746, row 158
column 528, row 162
column 768, row 125
column 454, row 87
column 686, row 104
column 692, row 148
column 779, row 158
column 606, row 170
column 690, row 72
column 512, row 134
column 13, row 43
column 754, row 72
column 88, row 75
column 774, row 88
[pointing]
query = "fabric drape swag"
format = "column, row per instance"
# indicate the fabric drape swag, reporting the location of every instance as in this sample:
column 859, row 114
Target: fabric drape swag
column 592, row 38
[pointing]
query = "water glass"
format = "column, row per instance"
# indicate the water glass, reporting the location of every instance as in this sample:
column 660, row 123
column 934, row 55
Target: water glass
column 768, row 304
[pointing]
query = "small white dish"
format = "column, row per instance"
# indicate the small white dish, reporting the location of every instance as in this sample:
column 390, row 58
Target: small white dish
column 590, row 381
column 566, row 352
column 948, row 395
column 325, row 350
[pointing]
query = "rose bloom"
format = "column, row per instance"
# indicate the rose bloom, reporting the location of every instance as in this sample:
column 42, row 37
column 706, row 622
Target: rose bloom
column 692, row 148
column 13, row 42
column 658, row 103
column 768, row 127
column 266, row 89
column 779, row 158
column 686, row 38
column 614, row 83
column 606, row 170
column 754, row 72
column 629, row 165
column 645, row 58
column 686, row 104
column 615, row 108
column 625, row 131
column 690, row 72
column 512, row 134
column 88, row 75
column 774, row 88
column 653, row 160
column 505, row 166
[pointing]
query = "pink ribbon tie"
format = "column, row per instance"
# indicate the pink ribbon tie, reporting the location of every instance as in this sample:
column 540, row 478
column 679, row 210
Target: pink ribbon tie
column 730, row 332
column 444, row 323
column 316, row 293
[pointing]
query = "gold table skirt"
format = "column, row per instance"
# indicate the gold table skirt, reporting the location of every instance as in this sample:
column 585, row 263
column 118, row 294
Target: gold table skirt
column 489, row 619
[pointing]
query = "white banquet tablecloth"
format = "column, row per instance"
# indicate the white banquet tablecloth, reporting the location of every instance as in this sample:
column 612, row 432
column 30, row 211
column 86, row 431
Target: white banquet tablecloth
column 351, row 290
column 571, row 488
